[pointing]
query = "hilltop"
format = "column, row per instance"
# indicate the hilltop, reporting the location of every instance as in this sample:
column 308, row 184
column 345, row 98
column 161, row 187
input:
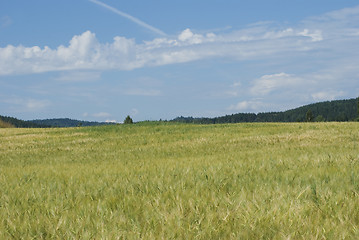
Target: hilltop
column 67, row 122
column 338, row 110
column 6, row 122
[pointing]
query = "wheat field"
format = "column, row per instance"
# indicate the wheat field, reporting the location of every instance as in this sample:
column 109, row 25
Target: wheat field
column 181, row 181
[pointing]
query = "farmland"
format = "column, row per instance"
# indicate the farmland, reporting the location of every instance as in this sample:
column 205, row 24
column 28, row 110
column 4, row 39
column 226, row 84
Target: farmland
column 181, row 181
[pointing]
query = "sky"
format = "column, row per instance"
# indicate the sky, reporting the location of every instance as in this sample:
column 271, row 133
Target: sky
column 101, row 60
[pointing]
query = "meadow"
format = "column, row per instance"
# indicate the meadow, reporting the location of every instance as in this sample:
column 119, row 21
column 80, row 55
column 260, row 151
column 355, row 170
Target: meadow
column 181, row 181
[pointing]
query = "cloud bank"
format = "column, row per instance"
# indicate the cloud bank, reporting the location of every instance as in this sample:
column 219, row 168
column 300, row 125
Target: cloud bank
column 328, row 34
column 85, row 52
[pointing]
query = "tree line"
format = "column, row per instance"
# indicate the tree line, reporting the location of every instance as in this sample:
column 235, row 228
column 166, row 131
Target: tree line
column 338, row 110
column 21, row 123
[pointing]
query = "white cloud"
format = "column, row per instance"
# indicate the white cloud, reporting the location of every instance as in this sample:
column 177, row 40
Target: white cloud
column 188, row 36
column 185, row 35
column 85, row 52
column 246, row 106
column 340, row 15
column 315, row 35
column 268, row 83
column 256, row 42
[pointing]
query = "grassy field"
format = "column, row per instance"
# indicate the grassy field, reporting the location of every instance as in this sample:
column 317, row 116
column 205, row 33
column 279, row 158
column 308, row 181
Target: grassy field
column 173, row 181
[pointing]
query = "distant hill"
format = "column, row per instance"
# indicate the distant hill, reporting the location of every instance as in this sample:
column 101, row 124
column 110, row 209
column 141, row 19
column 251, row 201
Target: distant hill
column 14, row 122
column 338, row 110
column 66, row 122
column 7, row 122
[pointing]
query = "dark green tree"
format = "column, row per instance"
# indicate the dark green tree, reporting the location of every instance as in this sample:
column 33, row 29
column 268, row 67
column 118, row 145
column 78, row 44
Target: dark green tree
column 128, row 120
column 319, row 118
column 309, row 116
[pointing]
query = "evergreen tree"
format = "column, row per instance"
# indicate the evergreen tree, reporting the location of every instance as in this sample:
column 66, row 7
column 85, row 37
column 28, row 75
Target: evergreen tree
column 128, row 120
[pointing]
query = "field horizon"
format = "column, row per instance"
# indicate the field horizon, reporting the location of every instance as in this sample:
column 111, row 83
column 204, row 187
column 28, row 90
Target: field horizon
column 181, row 181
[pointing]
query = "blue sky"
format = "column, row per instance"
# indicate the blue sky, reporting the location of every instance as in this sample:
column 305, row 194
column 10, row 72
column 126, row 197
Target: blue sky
column 102, row 60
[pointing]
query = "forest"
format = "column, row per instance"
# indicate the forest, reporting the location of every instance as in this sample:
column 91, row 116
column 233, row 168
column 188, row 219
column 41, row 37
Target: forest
column 338, row 110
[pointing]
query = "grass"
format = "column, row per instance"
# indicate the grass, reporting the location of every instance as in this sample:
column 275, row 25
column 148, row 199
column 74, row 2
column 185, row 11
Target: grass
column 175, row 181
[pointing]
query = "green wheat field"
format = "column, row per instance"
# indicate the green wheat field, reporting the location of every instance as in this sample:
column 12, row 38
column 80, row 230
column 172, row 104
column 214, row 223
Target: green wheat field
column 181, row 181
